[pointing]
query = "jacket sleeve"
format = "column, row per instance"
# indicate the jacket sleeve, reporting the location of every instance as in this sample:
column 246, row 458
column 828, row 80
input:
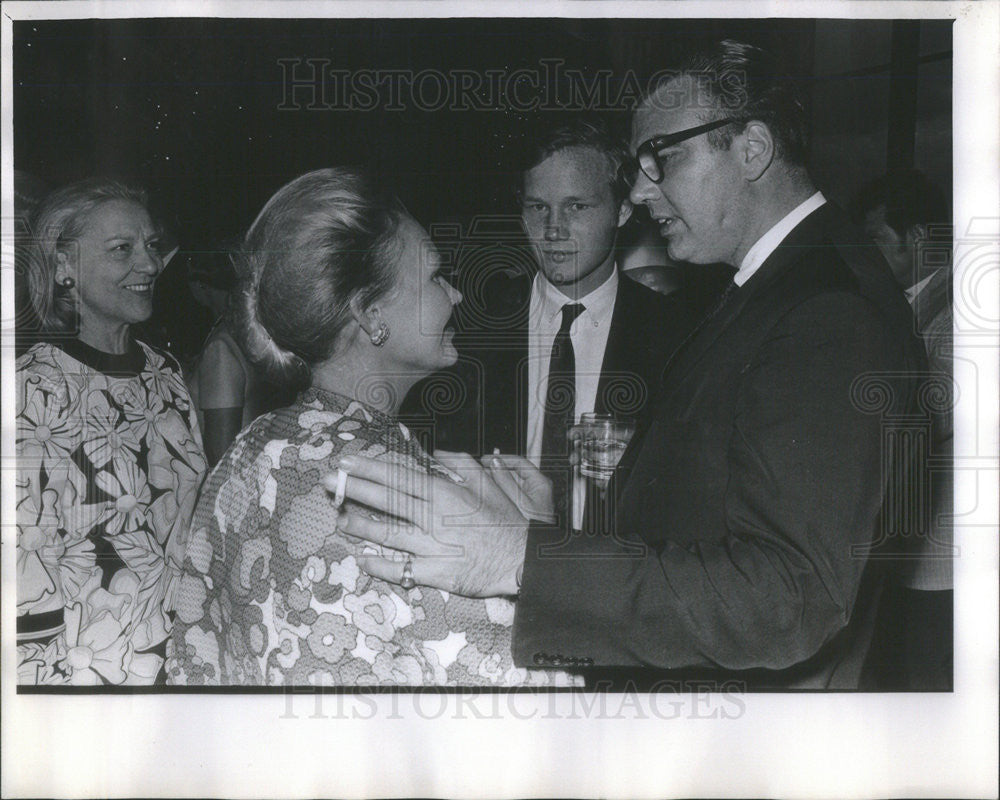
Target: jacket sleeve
column 805, row 487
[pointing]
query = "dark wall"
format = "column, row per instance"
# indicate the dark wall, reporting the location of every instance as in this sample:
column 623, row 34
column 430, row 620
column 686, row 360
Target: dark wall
column 198, row 109
column 851, row 99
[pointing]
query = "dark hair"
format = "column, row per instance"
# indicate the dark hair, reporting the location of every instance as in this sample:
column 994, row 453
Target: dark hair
column 580, row 131
column 745, row 82
column 59, row 220
column 320, row 241
column 909, row 199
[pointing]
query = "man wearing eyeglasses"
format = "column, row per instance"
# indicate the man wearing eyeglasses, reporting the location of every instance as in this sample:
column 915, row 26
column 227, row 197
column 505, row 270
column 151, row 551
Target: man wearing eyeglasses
column 749, row 501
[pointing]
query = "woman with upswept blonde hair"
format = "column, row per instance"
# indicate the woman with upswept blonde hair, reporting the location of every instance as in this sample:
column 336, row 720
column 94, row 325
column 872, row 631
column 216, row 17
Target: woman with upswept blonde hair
column 342, row 295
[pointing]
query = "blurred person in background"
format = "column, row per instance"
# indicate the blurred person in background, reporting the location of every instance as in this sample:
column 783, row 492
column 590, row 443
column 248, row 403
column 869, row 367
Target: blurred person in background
column 908, row 218
column 228, row 391
column 642, row 256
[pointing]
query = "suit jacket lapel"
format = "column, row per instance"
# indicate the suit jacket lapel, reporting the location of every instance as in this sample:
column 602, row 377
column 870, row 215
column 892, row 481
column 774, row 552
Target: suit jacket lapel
column 516, row 367
column 520, row 373
column 500, row 347
column 626, row 351
column 807, row 233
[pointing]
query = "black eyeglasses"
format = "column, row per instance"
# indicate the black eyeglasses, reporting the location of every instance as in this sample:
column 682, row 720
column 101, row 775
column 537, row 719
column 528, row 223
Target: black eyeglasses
column 646, row 158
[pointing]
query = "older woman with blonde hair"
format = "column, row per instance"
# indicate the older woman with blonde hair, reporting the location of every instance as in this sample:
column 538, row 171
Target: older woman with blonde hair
column 342, row 295
column 109, row 458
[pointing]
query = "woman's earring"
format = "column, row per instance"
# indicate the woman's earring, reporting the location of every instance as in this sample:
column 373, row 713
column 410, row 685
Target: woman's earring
column 67, row 282
column 381, row 335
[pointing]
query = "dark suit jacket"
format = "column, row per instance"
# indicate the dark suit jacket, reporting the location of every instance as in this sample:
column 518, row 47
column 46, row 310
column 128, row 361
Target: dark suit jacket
column 482, row 402
column 751, row 496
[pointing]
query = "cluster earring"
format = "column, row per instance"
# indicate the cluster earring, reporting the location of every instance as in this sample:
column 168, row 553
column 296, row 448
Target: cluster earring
column 380, row 335
column 67, row 282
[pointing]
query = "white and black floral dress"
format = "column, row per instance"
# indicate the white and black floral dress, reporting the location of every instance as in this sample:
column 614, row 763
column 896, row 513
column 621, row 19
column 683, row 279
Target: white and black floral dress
column 109, row 464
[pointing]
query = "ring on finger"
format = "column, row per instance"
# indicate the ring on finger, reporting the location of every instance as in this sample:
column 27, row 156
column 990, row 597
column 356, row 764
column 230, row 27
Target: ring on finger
column 407, row 581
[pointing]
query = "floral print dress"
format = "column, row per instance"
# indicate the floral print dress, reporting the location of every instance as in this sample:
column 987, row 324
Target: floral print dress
column 272, row 594
column 109, row 463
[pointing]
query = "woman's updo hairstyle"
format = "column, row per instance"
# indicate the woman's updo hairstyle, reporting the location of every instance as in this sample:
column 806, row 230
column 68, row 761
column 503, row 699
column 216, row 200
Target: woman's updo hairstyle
column 321, row 240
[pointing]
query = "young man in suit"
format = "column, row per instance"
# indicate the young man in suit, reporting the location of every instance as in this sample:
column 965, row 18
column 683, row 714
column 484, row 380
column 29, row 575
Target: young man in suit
column 754, row 491
column 573, row 203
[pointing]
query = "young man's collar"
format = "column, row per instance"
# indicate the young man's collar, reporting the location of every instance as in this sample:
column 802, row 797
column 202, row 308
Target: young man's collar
column 598, row 303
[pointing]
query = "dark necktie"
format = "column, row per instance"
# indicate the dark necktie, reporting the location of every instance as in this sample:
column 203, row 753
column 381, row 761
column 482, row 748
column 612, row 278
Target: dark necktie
column 719, row 304
column 560, row 412
column 723, row 299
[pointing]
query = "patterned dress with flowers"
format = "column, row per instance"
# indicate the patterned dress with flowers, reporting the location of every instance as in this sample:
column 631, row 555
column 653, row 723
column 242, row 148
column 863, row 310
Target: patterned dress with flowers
column 272, row 594
column 109, row 463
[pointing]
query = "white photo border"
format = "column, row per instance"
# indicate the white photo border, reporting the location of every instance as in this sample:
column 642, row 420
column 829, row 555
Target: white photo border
column 523, row 744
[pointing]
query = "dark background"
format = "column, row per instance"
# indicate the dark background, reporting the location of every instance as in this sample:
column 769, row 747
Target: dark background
column 190, row 107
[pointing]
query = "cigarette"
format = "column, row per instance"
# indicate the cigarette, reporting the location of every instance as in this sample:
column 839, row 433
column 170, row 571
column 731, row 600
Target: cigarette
column 338, row 498
column 495, row 462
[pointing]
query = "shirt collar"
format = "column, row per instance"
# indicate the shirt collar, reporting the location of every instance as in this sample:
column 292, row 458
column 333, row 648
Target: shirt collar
column 769, row 242
column 598, row 304
column 917, row 288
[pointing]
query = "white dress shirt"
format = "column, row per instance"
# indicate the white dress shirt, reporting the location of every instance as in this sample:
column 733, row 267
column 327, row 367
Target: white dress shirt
column 769, row 242
column 589, row 335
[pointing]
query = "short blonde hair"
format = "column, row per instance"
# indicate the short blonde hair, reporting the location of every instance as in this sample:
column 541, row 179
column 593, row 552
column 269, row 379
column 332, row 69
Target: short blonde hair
column 58, row 221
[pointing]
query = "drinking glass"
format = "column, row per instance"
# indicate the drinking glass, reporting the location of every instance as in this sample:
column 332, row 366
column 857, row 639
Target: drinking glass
column 603, row 439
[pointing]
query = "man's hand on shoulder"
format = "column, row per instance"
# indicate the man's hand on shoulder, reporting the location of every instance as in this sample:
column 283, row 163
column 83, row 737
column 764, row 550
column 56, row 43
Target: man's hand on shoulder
column 464, row 537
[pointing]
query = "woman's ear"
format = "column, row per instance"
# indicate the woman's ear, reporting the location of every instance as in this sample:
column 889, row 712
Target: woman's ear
column 63, row 268
column 368, row 318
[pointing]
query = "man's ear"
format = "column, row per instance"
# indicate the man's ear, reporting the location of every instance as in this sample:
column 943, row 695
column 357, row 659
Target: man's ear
column 624, row 212
column 757, row 151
